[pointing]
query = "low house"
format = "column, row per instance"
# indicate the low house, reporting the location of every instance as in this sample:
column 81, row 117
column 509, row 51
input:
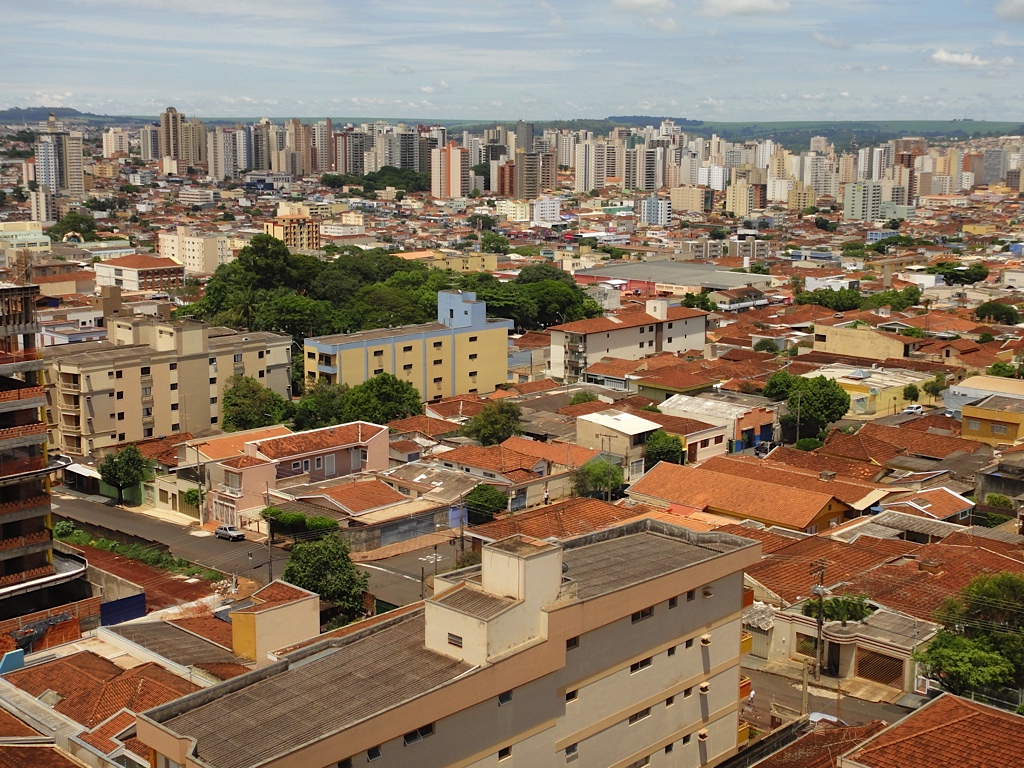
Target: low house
column 936, row 504
column 526, row 480
column 322, row 454
column 995, row 420
column 620, row 434
column 873, row 391
column 746, row 425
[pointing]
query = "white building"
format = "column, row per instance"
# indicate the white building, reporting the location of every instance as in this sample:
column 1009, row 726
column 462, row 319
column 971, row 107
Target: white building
column 655, row 211
column 115, row 141
column 200, row 253
column 545, row 210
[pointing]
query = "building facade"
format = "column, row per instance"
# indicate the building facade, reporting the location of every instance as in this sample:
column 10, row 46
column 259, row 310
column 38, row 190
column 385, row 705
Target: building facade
column 140, row 272
column 199, row 253
column 296, row 231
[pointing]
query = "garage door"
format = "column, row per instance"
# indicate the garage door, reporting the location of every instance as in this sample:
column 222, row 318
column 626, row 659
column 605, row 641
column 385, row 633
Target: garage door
column 880, row 668
column 761, row 641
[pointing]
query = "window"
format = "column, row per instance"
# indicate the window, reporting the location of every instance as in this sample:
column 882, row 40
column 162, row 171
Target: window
column 504, row 753
column 175, row 427
column 213, row 401
column 718, row 440
column 686, row 739
column 174, row 386
column 473, row 356
column 571, row 750
column 572, row 695
column 173, row 366
column 237, row 357
column 120, row 437
column 318, row 463
column 673, row 602
column 213, row 379
column 636, row 666
column 346, row 763
column 472, row 338
column 378, row 371
column 296, row 465
column 120, row 416
column 147, row 391
column 636, row 717
column 174, row 406
column 214, row 420
column 672, row 651
column 670, row 325
column 378, row 353
column 437, row 380
column 651, row 329
column 669, row 339
column 472, row 375
column 437, row 344
column 110, row 374
column 407, row 367
column 213, row 361
column 973, row 424
column 687, row 693
column 690, row 595
column 260, row 354
column 311, row 355
column 407, row 349
column 117, row 374
column 504, row 698
column 144, row 371
column 641, row 329
column 373, row 753
column 668, row 748
column 689, row 643
column 670, row 701
column 455, row 640
column 418, row 735
column 147, row 432
column 998, row 429
column 119, row 396
column 490, row 475
column 705, row 443
column 438, row 362
column 572, row 642
column 642, row 614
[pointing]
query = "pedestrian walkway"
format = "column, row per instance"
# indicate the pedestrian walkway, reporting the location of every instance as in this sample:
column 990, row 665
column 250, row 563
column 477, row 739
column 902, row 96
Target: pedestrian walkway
column 855, row 687
column 143, row 509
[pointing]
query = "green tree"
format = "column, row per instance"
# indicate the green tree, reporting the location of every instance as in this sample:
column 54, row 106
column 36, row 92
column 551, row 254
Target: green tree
column 325, row 567
column 496, row 423
column 998, row 500
column 537, row 273
column 935, row 387
column 916, row 333
column 661, row 446
column 247, row 404
column 778, row 385
column 381, row 399
column 999, row 368
column 322, row 405
column 911, row 393
column 583, row 396
column 481, row 220
column 985, row 338
column 492, row 242
column 1004, row 314
column 842, row 608
column 597, row 475
column 808, row 444
column 485, row 501
column 815, row 403
column 73, row 222
column 766, row 345
column 962, row 664
column 699, row 301
column 955, row 273
column 124, row 469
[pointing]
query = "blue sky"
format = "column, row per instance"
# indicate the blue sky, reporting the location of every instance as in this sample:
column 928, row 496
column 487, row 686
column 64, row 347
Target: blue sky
column 505, row 59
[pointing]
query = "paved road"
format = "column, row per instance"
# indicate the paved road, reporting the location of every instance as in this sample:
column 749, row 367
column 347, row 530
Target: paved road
column 788, row 693
column 396, row 580
column 184, row 541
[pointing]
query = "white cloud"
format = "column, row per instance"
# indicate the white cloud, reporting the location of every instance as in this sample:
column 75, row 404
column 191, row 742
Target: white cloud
column 827, row 41
column 654, row 12
column 1010, row 9
column 744, row 7
column 942, row 56
column 427, row 89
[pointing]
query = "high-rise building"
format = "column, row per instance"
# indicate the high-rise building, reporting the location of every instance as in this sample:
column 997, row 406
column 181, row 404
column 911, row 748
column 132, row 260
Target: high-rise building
column 655, row 211
column 322, row 137
column 299, row 139
column 862, row 201
column 59, row 160
column 193, row 142
column 262, row 148
column 450, row 172
column 591, row 168
column 169, row 142
column 691, row 199
column 42, row 204
column 739, row 199
column 994, row 166
column 149, row 142
column 534, row 173
column 221, row 153
column 524, row 136
column 115, row 142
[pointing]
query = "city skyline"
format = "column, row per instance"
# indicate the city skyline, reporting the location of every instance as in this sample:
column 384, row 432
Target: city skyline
column 698, row 59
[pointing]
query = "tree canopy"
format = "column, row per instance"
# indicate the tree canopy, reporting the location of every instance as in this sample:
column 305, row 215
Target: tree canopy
column 496, row 423
column 381, row 399
column 484, row 502
column 699, row 301
column 1004, row 314
column 73, row 222
column 846, row 299
column 955, row 273
column 583, row 396
column 813, row 404
column 597, row 475
column 324, row 566
column 124, row 469
column 661, row 446
column 247, row 404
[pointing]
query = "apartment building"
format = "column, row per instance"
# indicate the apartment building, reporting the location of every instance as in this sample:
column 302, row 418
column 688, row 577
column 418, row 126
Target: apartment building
column 696, row 199
column 200, row 253
column 19, row 236
column 463, row 352
column 539, row 656
column 628, row 335
column 140, row 272
column 32, row 576
column 152, row 378
column 296, row 231
column 450, row 174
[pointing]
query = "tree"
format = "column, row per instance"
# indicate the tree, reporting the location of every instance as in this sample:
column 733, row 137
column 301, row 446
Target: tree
column 492, row 242
column 815, row 403
column 1004, row 314
column 661, row 446
column 916, row 333
column 935, row 387
column 324, row 567
column 911, row 393
column 999, row 368
column 699, row 301
column 124, row 469
column 985, row 337
column 842, row 608
column 485, row 501
column 322, row 405
column 583, row 396
column 597, row 475
column 778, row 385
column 766, row 345
column 537, row 273
column 248, row 404
column 955, row 273
column 962, row 664
column 382, row 399
column 73, row 222
column 808, row 444
column 998, row 500
column 496, row 423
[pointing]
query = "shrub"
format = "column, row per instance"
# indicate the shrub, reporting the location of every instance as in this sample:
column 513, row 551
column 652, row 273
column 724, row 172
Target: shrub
column 808, row 444
column 993, row 500
column 63, row 529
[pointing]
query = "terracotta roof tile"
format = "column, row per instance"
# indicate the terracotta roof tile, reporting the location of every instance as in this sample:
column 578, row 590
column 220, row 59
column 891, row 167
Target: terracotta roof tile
column 847, row 491
column 937, row 503
column 10, row 726
column 464, row 407
column 25, row 756
column 770, row 542
column 241, row 462
column 562, row 519
column 532, row 387
column 821, row 747
column 355, row 433
column 820, row 462
column 209, row 627
column 859, row 447
column 495, row 458
column 142, row 261
column 947, row 731
column 920, row 443
column 566, row 454
column 425, row 425
column 628, row 319
column 359, row 496
column 220, row 447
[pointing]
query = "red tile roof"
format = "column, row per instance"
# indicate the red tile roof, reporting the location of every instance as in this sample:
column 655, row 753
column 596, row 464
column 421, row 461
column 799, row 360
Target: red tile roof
column 300, row 443
column 566, row 454
column 533, row 387
column 425, row 425
column 820, row 462
column 27, row 756
column 770, row 542
column 359, row 496
column 937, row 503
column 241, row 462
column 947, row 731
column 573, row 517
column 848, row 491
column 495, row 458
column 210, row 627
column 920, row 443
column 465, row 407
column 274, row 594
column 142, row 261
column 860, row 447
column 822, row 747
column 596, row 406
column 10, row 726
column 629, row 319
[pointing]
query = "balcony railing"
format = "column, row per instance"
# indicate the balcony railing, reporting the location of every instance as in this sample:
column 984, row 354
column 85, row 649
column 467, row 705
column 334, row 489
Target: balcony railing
column 744, row 687
column 742, row 733
column 31, row 501
column 228, row 490
column 746, row 643
column 748, row 597
column 33, row 573
column 24, row 541
column 22, row 393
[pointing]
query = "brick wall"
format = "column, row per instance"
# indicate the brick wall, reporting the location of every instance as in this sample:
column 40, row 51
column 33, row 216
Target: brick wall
column 85, row 615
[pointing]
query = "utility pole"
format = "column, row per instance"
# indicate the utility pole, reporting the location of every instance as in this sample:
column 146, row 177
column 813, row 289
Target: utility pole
column 803, row 697
column 818, row 569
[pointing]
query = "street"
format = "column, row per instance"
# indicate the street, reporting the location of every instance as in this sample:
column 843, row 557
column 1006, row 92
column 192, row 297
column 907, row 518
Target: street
column 191, row 543
column 787, row 693
column 396, row 580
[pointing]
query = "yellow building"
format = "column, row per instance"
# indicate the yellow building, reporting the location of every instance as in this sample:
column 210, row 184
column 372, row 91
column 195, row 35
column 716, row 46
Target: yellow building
column 863, row 341
column 297, row 231
column 464, row 352
column 996, row 420
column 454, row 260
column 874, row 391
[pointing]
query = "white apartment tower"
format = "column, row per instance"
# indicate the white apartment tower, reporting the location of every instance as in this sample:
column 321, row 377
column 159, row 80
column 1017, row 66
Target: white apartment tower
column 591, row 167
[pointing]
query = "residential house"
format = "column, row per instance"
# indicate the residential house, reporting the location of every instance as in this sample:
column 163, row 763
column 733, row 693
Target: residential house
column 617, row 433
column 975, row 388
column 873, row 391
column 662, row 385
column 746, row 425
column 739, row 299
column 858, row 339
column 995, row 420
column 523, row 478
column 935, row 504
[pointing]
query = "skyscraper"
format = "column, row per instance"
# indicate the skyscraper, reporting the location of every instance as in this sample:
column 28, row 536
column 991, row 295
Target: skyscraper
column 862, row 201
column 149, row 142
column 450, row 172
column 169, row 141
column 591, row 170
column 115, row 141
column 534, row 173
column 59, row 161
column 524, row 136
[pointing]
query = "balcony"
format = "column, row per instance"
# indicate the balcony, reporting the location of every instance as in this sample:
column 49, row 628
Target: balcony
column 746, row 643
column 21, row 393
column 227, row 490
column 742, row 733
column 748, row 597
column 29, row 575
column 25, row 430
column 23, row 541
column 744, row 688
column 27, row 503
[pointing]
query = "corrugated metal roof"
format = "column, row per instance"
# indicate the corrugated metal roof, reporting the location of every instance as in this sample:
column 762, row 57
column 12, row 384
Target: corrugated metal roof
column 475, row 603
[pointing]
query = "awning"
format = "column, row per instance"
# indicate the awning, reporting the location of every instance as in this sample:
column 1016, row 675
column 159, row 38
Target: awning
column 84, row 471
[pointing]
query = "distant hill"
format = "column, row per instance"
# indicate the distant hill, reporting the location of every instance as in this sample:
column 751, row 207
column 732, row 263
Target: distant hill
column 35, row 114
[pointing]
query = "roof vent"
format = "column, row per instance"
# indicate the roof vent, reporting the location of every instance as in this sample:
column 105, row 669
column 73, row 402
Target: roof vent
column 929, row 565
column 826, row 476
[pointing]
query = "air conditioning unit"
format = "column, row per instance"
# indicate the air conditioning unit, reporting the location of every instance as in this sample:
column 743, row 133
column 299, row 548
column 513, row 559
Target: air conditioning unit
column 703, row 734
column 704, row 687
column 705, row 639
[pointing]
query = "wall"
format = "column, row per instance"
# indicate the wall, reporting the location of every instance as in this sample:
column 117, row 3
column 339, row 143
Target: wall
column 857, row 342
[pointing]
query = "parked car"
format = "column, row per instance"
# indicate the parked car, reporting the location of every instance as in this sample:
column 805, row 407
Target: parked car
column 917, row 410
column 229, row 532
column 763, row 449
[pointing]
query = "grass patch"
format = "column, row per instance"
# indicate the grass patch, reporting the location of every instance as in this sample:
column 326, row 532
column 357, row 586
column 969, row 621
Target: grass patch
column 151, row 556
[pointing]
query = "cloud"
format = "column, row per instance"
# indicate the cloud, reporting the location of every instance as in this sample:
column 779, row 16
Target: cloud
column 654, row 12
column 942, row 56
column 744, row 7
column 427, row 89
column 830, row 42
column 1010, row 9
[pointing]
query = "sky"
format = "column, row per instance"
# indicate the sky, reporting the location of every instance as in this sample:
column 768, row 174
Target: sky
column 742, row 60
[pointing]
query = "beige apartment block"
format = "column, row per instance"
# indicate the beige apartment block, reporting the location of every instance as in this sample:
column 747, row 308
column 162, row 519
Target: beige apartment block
column 295, row 230
column 152, row 378
column 140, row 272
column 200, row 253
column 611, row 650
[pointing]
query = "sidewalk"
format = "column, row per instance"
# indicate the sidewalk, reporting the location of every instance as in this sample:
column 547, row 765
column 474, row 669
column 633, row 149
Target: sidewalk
column 60, row 491
column 856, row 688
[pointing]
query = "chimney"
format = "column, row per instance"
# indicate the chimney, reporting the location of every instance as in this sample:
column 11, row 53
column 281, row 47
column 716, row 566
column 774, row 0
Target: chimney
column 929, row 566
column 826, row 476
